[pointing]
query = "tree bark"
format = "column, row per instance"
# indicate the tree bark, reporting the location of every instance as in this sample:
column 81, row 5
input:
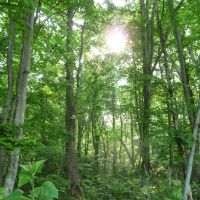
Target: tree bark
column 72, row 170
column 96, row 141
column 78, row 83
column 185, row 79
column 8, row 102
column 21, row 96
column 191, row 157
column 147, row 28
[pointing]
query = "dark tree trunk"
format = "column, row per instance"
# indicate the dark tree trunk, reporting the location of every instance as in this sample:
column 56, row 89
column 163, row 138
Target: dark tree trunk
column 96, row 143
column 72, row 170
column 147, row 27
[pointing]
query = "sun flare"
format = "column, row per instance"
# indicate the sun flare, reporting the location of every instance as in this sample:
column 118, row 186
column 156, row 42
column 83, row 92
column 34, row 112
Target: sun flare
column 116, row 39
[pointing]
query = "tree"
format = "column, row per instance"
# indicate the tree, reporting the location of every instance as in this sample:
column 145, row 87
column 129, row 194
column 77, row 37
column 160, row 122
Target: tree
column 21, row 94
column 71, row 112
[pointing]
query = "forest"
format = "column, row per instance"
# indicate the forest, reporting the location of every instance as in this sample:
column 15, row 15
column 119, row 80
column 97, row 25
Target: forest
column 100, row 99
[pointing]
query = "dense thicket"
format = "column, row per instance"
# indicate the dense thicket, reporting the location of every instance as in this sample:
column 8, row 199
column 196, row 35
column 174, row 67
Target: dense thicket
column 103, row 124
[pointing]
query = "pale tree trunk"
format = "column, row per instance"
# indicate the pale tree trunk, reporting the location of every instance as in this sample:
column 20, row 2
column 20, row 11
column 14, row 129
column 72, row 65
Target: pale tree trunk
column 9, row 95
column 128, row 153
column 185, row 79
column 72, row 170
column 131, row 154
column 187, row 191
column 21, row 96
column 8, row 102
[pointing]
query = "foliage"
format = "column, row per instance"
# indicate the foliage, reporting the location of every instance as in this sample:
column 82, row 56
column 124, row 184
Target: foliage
column 109, row 99
column 28, row 175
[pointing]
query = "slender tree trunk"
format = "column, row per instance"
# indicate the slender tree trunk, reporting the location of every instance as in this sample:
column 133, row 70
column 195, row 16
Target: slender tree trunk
column 185, row 79
column 78, row 82
column 21, row 96
column 128, row 153
column 191, row 157
column 114, row 164
column 2, row 164
column 105, row 153
column 121, row 138
column 80, row 135
column 96, row 142
column 87, row 137
column 72, row 170
column 184, row 70
column 172, row 116
column 107, row 150
column 8, row 102
column 132, row 143
column 9, row 95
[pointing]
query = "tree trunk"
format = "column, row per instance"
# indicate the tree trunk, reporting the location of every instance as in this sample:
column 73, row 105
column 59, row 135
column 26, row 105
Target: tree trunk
column 9, row 95
column 114, row 164
column 191, row 157
column 184, row 70
column 87, row 138
column 185, row 79
column 21, row 96
column 172, row 115
column 80, row 135
column 72, row 170
column 8, row 102
column 121, row 138
column 105, row 142
column 96, row 142
column 147, row 49
column 132, row 143
column 78, row 82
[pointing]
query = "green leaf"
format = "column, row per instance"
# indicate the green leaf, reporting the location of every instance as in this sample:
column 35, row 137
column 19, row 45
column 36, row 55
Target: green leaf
column 16, row 195
column 37, row 167
column 23, row 179
column 48, row 190
column 25, row 167
column 36, row 192
column 27, row 173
